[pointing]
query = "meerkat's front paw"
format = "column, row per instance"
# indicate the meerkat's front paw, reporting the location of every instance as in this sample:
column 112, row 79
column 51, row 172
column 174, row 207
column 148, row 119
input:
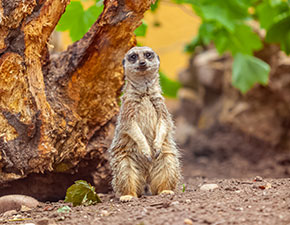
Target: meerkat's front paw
column 147, row 153
column 167, row 192
column 126, row 198
column 157, row 149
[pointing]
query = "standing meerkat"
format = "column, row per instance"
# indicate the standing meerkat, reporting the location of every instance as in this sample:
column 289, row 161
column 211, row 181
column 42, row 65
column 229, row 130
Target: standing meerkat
column 143, row 151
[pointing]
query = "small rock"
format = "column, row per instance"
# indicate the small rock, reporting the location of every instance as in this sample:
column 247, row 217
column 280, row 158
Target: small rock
column 258, row 179
column 188, row 201
column 104, row 213
column 25, row 208
column 46, row 221
column 188, row 221
column 9, row 213
column 268, row 185
column 10, row 202
column 174, row 203
column 208, row 187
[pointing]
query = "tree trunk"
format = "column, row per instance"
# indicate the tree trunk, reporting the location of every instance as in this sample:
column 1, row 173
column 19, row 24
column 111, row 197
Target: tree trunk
column 56, row 111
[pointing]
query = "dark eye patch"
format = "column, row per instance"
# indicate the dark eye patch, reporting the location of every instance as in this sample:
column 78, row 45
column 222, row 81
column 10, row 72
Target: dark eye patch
column 132, row 57
column 149, row 55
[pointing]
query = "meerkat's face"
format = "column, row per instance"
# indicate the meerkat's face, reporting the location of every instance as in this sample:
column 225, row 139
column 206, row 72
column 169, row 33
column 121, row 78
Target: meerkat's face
column 141, row 62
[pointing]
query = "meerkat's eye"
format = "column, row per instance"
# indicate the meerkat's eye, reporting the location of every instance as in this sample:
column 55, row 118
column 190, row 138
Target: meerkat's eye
column 149, row 55
column 133, row 57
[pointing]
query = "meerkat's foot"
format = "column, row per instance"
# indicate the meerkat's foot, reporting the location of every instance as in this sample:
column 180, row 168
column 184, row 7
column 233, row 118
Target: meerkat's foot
column 167, row 192
column 126, row 198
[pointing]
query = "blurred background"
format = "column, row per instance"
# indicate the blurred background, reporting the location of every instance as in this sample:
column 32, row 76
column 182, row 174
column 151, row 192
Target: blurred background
column 226, row 75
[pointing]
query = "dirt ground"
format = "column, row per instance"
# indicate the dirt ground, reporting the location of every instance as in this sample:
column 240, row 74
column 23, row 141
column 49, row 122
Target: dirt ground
column 235, row 201
column 254, row 198
column 251, row 179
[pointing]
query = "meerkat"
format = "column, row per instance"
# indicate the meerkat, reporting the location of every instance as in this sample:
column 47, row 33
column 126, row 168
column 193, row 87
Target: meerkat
column 143, row 151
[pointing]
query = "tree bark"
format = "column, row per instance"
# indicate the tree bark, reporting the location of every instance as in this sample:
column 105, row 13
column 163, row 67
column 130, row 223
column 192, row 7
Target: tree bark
column 56, row 111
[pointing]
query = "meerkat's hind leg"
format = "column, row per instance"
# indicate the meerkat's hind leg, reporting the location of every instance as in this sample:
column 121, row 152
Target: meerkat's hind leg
column 165, row 174
column 127, row 179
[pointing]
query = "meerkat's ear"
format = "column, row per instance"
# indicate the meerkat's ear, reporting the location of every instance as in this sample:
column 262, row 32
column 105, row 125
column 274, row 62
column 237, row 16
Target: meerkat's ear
column 123, row 62
column 158, row 58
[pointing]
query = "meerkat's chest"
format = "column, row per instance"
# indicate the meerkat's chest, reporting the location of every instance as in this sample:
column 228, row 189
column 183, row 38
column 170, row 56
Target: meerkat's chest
column 147, row 117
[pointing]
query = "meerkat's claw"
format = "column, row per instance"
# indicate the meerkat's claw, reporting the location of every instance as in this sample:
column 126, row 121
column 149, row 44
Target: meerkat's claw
column 157, row 153
column 167, row 192
column 126, row 198
column 149, row 158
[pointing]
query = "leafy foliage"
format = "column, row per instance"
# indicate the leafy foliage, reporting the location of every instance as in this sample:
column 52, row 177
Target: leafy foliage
column 77, row 20
column 247, row 70
column 82, row 193
column 226, row 24
column 169, row 87
column 141, row 30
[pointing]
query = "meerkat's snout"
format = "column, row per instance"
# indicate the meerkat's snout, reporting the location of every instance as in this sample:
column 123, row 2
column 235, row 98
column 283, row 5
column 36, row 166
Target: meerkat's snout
column 142, row 63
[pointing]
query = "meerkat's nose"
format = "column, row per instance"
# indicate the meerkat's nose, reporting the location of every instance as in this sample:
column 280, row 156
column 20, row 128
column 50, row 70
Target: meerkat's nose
column 142, row 63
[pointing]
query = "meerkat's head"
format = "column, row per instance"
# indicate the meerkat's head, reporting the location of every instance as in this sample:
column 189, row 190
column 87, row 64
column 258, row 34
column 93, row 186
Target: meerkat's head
column 141, row 63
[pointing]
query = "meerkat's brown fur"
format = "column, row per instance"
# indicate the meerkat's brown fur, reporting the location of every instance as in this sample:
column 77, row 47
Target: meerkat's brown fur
column 143, row 151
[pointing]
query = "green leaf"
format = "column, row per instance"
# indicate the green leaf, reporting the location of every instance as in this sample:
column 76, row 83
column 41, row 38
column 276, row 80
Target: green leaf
column 81, row 193
column 78, row 21
column 190, row 47
column 141, row 30
column 155, row 6
column 266, row 13
column 275, row 2
column 226, row 13
column 183, row 187
column 242, row 40
column 64, row 209
column 221, row 40
column 206, row 32
column 169, row 87
column 249, row 70
column 73, row 12
column 280, row 33
column 92, row 14
column 214, row 13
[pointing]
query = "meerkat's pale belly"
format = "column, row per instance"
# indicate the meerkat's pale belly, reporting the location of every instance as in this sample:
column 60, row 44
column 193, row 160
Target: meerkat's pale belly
column 147, row 119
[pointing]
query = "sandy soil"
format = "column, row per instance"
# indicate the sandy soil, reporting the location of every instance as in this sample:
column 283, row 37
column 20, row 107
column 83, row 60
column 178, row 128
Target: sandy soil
column 235, row 201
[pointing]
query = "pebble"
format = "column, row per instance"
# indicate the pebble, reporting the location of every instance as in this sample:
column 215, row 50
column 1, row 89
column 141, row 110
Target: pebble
column 46, row 222
column 174, row 203
column 188, row 221
column 104, row 213
column 208, row 187
column 9, row 213
column 188, row 201
column 258, row 179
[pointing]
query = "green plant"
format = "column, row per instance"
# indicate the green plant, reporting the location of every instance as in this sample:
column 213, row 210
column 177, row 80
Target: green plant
column 82, row 193
column 64, row 209
column 77, row 20
column 183, row 187
column 226, row 24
